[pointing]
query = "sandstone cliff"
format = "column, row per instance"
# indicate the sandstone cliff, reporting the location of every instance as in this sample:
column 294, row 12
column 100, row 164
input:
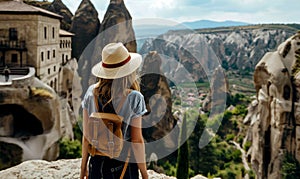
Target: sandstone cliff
column 274, row 116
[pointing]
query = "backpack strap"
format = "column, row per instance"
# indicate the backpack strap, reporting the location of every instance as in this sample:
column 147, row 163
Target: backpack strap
column 125, row 165
column 127, row 159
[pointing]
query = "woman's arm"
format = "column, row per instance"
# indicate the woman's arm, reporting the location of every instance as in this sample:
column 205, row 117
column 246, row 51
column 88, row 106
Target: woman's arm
column 84, row 160
column 138, row 146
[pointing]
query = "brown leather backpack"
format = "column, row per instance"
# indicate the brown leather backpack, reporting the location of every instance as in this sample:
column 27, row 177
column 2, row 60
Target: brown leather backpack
column 105, row 132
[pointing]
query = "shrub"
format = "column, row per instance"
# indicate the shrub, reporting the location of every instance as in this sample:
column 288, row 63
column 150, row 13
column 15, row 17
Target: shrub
column 236, row 156
column 169, row 169
column 290, row 167
column 251, row 174
column 247, row 145
column 69, row 149
column 40, row 92
column 229, row 137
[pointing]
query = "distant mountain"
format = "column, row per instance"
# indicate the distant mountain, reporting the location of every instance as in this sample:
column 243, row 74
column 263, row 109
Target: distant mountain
column 154, row 29
column 212, row 24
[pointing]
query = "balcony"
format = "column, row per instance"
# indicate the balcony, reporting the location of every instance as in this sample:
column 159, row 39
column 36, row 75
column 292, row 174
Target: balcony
column 13, row 45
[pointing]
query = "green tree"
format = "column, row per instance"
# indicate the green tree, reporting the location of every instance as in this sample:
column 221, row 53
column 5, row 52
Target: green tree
column 204, row 160
column 290, row 167
column 182, row 170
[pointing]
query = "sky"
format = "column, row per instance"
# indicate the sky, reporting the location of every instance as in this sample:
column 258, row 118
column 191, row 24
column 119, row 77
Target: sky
column 250, row 11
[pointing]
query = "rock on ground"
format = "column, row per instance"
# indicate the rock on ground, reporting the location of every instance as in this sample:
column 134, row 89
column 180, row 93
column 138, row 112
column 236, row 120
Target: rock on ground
column 57, row 169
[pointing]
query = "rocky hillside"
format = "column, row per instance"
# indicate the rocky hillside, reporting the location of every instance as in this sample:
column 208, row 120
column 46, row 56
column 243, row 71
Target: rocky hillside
column 274, row 116
column 235, row 48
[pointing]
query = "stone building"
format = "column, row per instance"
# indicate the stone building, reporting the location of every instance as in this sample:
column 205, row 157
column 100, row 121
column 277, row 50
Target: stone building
column 31, row 36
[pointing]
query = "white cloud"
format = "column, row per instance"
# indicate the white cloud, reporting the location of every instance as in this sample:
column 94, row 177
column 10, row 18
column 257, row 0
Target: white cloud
column 163, row 4
column 252, row 11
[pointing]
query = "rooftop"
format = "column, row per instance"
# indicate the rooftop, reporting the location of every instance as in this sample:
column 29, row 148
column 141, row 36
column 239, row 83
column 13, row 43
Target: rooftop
column 18, row 7
column 65, row 33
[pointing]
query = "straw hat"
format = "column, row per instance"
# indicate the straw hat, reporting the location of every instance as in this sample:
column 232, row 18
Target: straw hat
column 116, row 62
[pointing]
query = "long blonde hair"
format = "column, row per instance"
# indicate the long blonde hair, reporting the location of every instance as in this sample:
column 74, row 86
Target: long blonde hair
column 110, row 88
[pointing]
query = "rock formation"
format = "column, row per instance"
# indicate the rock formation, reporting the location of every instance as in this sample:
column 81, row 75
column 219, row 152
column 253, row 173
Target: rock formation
column 85, row 25
column 58, row 7
column 155, row 88
column 218, row 93
column 70, row 93
column 34, row 117
column 57, row 169
column 237, row 50
column 187, row 56
column 274, row 116
column 30, row 119
column 115, row 27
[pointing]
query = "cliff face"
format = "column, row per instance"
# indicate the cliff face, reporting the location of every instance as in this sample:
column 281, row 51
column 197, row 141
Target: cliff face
column 274, row 116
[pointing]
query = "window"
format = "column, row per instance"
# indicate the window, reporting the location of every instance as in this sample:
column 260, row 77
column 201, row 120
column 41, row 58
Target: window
column 42, row 56
column 63, row 58
column 48, row 71
column 13, row 34
column 14, row 58
column 53, row 53
column 48, row 54
column 45, row 32
column 66, row 57
column 55, row 82
column 53, row 32
column 54, row 68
